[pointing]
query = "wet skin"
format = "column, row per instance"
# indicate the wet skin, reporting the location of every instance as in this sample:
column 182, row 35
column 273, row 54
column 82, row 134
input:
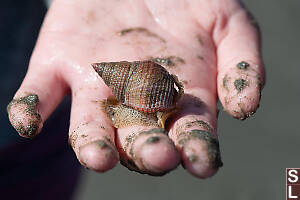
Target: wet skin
column 212, row 46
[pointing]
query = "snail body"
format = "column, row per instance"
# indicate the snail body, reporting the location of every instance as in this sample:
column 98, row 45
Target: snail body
column 144, row 86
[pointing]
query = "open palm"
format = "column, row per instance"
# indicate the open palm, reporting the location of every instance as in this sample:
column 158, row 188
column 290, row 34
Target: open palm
column 212, row 46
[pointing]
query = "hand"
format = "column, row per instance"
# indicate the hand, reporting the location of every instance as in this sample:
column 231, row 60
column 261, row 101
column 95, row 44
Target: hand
column 212, row 46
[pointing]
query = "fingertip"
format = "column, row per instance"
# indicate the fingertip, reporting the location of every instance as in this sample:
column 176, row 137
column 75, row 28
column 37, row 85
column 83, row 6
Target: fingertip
column 159, row 155
column 198, row 145
column 148, row 150
column 24, row 115
column 200, row 159
column 98, row 156
column 243, row 106
column 239, row 89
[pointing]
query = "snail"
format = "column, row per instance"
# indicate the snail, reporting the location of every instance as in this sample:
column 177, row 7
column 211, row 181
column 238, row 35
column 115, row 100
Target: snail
column 144, row 92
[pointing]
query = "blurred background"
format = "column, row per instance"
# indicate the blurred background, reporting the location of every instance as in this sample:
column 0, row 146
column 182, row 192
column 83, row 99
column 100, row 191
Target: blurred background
column 255, row 152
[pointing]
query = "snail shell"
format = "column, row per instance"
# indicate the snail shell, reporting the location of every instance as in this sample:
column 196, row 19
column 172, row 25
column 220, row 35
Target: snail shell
column 143, row 85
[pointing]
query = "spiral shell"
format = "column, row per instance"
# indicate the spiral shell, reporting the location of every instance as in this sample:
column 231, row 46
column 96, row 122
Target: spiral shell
column 143, row 85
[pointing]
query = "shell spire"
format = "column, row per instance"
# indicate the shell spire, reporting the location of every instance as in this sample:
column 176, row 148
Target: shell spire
column 98, row 67
column 115, row 76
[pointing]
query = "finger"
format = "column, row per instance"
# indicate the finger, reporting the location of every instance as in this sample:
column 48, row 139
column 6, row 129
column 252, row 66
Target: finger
column 240, row 68
column 91, row 133
column 35, row 100
column 147, row 150
column 142, row 146
column 194, row 133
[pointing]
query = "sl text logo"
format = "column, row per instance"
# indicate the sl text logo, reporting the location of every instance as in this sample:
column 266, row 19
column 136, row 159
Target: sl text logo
column 292, row 183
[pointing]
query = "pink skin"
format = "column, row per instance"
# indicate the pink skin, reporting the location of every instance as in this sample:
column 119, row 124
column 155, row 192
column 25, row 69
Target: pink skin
column 211, row 37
